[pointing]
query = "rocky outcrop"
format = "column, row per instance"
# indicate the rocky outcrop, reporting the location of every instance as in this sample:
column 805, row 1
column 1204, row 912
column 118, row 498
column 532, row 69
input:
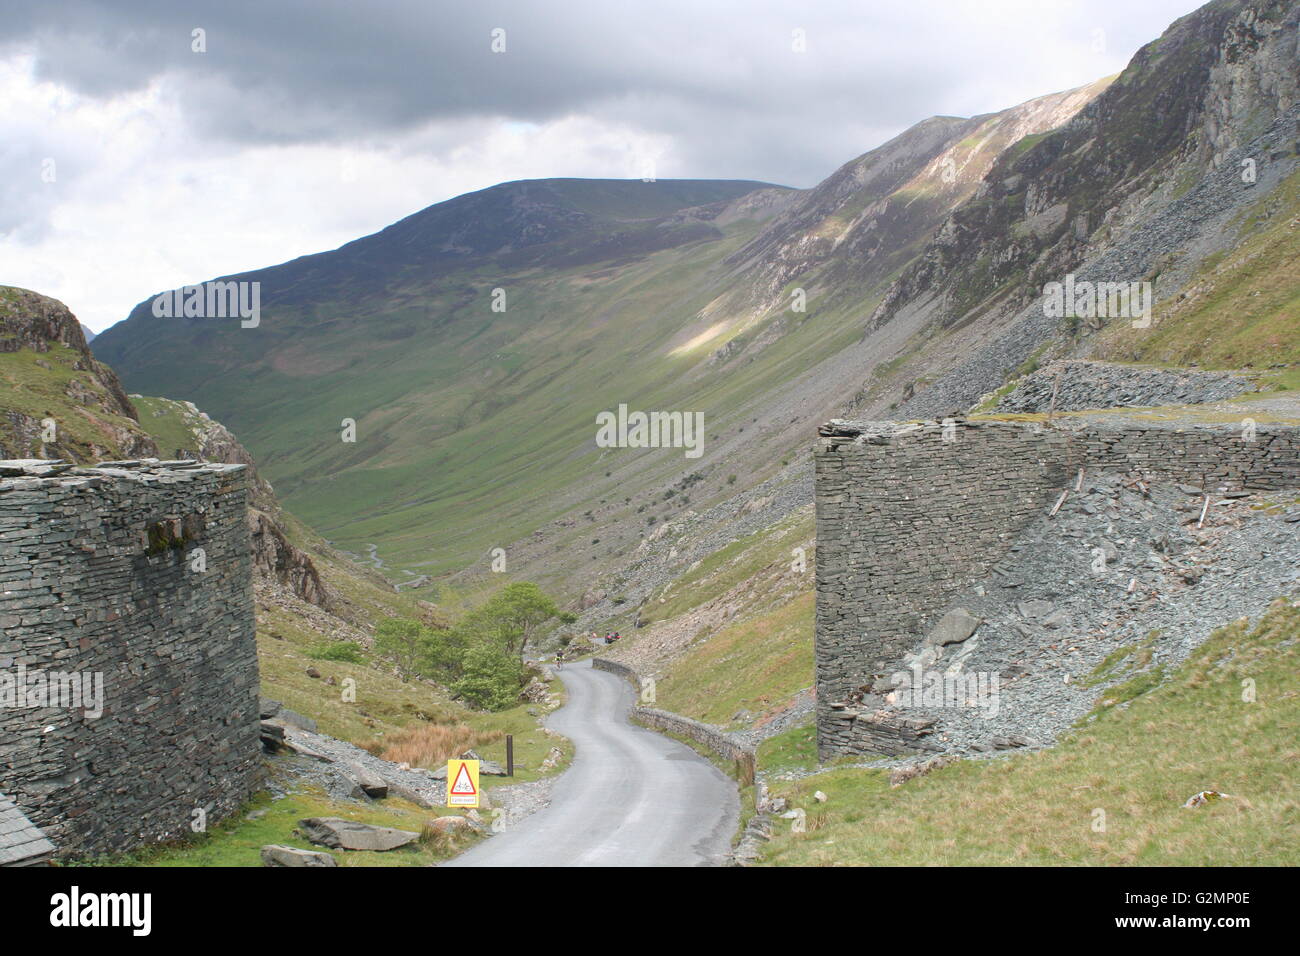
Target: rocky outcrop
column 29, row 320
column 62, row 403
column 95, row 420
column 1141, row 186
column 860, row 224
column 276, row 560
column 1081, row 385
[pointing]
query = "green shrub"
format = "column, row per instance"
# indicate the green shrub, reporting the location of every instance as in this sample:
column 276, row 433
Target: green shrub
column 348, row 652
column 490, row 677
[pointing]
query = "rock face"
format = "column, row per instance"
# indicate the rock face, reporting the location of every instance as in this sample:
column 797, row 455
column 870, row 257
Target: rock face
column 847, row 234
column 337, row 833
column 92, row 420
column 1079, row 385
column 29, row 320
column 276, row 559
column 1125, row 192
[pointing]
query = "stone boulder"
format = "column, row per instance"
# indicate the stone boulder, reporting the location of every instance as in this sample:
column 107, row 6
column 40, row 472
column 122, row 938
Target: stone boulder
column 953, row 628
column 368, row 782
column 339, row 834
column 275, row 854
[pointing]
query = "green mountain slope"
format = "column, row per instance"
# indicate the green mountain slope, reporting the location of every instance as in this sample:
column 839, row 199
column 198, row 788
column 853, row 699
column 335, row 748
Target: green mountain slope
column 921, row 261
column 475, row 428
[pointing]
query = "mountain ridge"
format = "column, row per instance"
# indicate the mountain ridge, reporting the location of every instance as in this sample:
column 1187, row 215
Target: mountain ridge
column 453, row 456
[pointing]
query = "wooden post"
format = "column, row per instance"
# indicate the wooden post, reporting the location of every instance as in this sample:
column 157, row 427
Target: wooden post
column 1056, row 387
column 510, row 755
column 1059, row 501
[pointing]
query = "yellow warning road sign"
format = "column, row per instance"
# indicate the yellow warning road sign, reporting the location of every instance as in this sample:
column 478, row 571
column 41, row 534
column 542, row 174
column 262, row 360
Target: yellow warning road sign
column 462, row 783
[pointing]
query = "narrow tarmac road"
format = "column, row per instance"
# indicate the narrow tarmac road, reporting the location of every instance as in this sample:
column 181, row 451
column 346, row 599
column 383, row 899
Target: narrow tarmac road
column 630, row 798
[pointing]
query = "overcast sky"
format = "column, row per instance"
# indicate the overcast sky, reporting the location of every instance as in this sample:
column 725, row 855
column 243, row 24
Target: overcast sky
column 132, row 163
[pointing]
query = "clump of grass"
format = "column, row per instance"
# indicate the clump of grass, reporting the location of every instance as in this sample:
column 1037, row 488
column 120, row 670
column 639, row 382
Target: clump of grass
column 445, row 843
column 1109, row 666
column 431, row 745
column 1123, row 660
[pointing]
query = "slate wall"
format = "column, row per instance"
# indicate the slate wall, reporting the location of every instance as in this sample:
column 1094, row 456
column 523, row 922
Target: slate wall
column 98, row 578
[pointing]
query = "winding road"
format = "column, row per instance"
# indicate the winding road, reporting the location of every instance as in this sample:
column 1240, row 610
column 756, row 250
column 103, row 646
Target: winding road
column 630, row 798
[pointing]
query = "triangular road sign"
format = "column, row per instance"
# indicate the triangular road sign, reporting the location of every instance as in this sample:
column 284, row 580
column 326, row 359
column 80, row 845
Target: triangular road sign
column 463, row 785
column 462, row 777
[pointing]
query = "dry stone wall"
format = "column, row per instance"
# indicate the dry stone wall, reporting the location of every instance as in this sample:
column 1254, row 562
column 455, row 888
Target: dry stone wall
column 717, row 741
column 908, row 515
column 1077, row 384
column 133, row 578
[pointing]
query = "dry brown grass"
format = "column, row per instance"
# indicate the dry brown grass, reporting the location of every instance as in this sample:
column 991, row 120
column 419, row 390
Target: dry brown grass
column 431, row 745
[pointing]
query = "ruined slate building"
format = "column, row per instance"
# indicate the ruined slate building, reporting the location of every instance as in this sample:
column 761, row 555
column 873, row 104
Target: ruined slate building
column 128, row 667
column 911, row 516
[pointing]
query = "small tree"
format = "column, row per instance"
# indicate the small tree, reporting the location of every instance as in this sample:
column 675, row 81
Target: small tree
column 490, row 677
column 403, row 641
column 511, row 617
column 443, row 653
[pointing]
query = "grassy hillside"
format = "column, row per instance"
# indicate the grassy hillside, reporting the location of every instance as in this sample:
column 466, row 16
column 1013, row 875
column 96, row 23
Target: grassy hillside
column 1242, row 308
column 386, row 708
column 733, row 634
column 474, row 427
column 48, row 376
column 1149, row 746
column 754, row 666
column 36, row 386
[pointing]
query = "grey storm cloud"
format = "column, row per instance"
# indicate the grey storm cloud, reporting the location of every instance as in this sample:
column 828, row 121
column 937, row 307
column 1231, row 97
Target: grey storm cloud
column 720, row 79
